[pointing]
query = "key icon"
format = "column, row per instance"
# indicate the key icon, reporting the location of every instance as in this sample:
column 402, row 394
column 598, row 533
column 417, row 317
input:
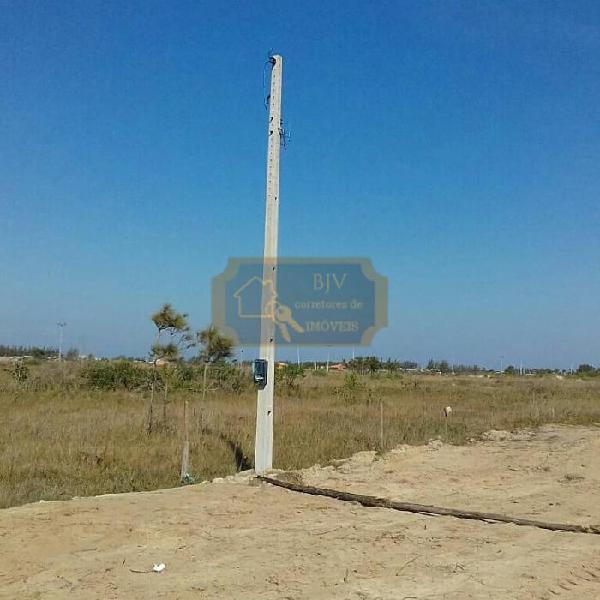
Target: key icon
column 283, row 318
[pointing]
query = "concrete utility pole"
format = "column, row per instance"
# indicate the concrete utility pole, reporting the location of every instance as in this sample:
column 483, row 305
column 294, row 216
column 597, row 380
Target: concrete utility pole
column 263, row 453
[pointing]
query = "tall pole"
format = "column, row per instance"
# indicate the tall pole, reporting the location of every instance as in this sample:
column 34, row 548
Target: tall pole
column 61, row 327
column 263, row 446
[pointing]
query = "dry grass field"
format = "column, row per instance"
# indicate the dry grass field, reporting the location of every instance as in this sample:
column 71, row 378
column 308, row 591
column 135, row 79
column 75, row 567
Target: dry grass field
column 59, row 438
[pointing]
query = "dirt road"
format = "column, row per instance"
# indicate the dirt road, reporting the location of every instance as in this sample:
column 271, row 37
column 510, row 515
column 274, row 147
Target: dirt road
column 241, row 539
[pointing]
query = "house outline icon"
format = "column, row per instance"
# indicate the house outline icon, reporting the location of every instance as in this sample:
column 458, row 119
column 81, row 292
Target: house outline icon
column 244, row 290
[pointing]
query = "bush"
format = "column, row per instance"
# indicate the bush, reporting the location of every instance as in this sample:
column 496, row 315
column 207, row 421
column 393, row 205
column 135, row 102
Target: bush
column 288, row 378
column 352, row 389
column 114, row 375
column 20, row 372
column 226, row 376
column 176, row 376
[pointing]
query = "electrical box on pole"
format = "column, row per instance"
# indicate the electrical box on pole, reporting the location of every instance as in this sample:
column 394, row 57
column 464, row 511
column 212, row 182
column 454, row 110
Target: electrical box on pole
column 263, row 453
column 259, row 369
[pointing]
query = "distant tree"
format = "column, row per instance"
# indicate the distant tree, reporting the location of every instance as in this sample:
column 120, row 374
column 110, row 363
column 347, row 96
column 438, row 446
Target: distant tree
column 173, row 326
column 172, row 337
column 392, row 365
column 444, row 367
column 12, row 350
column 365, row 364
column 32, row 351
column 72, row 354
column 585, row 369
column 510, row 370
column 372, row 363
column 408, row 364
column 467, row 368
column 214, row 346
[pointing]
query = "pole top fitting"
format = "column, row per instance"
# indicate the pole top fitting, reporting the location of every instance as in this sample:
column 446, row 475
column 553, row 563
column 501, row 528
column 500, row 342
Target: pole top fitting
column 273, row 58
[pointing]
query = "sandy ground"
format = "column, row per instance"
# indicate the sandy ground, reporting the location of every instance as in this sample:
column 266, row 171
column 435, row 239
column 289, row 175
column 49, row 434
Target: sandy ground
column 243, row 539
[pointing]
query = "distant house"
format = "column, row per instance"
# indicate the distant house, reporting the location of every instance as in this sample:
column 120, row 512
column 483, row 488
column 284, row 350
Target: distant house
column 163, row 362
column 338, row 367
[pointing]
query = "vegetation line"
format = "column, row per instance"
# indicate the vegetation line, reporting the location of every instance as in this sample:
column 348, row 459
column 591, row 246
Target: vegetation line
column 375, row 502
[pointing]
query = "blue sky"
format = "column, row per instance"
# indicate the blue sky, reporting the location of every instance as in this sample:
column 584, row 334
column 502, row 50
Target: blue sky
column 457, row 144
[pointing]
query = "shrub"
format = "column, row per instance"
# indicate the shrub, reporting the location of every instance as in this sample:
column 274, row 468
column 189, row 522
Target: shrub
column 288, row 378
column 352, row 388
column 20, row 372
column 115, row 375
column 226, row 376
column 176, row 376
